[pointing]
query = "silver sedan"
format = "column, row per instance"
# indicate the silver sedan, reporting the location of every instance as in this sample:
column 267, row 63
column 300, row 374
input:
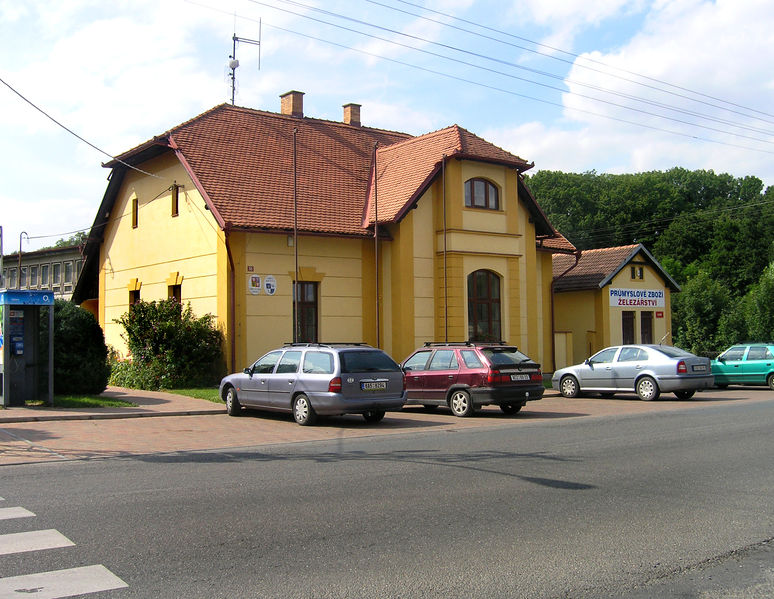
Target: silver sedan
column 644, row 369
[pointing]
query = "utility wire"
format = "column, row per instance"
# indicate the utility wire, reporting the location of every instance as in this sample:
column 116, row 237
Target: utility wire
column 574, row 56
column 73, row 133
column 530, row 81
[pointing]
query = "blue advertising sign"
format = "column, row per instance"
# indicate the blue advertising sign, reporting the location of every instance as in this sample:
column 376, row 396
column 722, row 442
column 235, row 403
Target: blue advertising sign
column 26, row 297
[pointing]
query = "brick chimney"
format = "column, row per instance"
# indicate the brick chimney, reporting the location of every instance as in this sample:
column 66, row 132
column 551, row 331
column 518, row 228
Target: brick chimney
column 352, row 114
column 292, row 103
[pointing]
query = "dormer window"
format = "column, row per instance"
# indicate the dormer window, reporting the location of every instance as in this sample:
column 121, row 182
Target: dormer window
column 480, row 193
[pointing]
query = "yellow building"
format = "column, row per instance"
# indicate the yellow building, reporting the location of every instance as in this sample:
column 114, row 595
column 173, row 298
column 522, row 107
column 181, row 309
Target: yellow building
column 387, row 238
column 608, row 297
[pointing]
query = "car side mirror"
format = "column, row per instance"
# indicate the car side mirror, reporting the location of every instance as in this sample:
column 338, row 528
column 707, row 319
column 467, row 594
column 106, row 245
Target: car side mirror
column 721, row 359
column 248, row 370
column 587, row 362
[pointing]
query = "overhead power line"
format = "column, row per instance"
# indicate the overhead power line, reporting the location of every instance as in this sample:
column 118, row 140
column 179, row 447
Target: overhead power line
column 575, row 58
column 496, row 72
column 73, row 133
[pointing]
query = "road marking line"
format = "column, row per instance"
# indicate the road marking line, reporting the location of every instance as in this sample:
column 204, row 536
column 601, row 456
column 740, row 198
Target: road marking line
column 61, row 583
column 6, row 513
column 35, row 540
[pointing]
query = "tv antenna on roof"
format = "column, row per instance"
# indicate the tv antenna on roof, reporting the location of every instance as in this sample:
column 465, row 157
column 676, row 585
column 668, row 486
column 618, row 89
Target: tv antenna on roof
column 233, row 63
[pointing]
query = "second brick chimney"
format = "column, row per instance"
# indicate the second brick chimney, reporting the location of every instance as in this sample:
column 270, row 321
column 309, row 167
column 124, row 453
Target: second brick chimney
column 352, row 114
column 292, row 103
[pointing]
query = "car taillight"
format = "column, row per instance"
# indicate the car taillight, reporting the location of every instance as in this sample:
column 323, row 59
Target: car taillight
column 537, row 377
column 335, row 385
column 495, row 376
column 682, row 368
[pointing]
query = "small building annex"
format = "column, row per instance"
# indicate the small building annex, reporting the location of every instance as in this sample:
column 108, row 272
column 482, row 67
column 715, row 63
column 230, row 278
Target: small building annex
column 609, row 296
column 289, row 228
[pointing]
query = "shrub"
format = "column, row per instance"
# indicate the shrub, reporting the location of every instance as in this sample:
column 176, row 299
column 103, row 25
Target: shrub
column 169, row 347
column 80, row 353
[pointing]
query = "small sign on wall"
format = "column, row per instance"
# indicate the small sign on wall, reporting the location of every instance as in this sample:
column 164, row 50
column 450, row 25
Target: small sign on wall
column 270, row 285
column 659, row 314
column 257, row 284
column 254, row 284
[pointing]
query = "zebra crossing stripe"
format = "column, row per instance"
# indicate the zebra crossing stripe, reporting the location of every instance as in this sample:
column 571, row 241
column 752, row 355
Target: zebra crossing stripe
column 6, row 513
column 34, row 540
column 61, row 583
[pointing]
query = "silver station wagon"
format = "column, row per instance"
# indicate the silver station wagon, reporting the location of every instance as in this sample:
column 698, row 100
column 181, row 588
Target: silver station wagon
column 318, row 379
column 644, row 369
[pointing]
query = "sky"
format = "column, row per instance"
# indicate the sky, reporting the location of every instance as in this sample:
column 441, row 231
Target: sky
column 612, row 86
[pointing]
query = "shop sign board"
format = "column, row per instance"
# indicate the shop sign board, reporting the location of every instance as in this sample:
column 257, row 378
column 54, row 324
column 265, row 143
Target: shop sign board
column 637, row 298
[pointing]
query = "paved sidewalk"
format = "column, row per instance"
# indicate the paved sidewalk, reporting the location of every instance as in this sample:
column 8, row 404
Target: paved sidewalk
column 149, row 404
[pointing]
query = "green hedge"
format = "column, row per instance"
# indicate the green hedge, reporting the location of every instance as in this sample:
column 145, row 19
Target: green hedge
column 169, row 348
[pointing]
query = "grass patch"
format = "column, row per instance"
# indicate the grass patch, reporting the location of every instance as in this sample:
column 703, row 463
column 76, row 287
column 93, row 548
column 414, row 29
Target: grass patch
column 208, row 393
column 84, row 401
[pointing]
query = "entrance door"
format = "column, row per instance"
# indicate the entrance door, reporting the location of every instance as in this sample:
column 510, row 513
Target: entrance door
column 627, row 326
column 646, row 327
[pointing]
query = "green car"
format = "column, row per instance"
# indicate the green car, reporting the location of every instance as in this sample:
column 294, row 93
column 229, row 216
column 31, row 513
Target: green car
column 749, row 364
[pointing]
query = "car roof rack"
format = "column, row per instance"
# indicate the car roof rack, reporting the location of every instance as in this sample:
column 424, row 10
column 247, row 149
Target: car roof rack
column 328, row 344
column 466, row 343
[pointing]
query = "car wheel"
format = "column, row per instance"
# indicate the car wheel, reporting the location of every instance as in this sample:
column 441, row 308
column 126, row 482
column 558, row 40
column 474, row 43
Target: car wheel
column 569, row 387
column 460, row 403
column 373, row 416
column 647, row 389
column 684, row 394
column 303, row 413
column 770, row 381
column 233, row 407
column 510, row 408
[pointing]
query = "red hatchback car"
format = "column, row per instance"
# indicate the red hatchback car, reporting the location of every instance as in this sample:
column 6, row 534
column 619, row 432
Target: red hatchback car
column 465, row 376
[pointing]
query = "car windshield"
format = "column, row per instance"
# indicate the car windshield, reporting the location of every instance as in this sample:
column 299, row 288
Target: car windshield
column 506, row 356
column 367, row 361
column 673, row 352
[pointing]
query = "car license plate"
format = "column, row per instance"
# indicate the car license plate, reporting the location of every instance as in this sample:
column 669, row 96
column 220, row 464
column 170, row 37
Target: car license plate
column 373, row 385
column 519, row 377
column 700, row 367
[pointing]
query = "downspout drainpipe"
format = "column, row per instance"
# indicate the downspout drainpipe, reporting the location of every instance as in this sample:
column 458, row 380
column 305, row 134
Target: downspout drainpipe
column 577, row 254
column 445, row 276
column 231, row 317
column 376, row 245
column 296, row 292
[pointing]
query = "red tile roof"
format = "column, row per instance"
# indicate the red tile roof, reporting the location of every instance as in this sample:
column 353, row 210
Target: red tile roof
column 243, row 160
column 407, row 167
column 593, row 267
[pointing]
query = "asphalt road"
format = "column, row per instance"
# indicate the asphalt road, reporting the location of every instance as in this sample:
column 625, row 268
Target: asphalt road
column 659, row 504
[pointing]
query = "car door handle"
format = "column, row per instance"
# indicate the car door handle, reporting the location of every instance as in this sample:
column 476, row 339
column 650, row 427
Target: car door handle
column 291, row 381
column 451, row 376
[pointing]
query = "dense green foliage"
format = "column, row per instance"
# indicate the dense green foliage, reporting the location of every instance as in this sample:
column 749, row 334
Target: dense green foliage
column 80, row 353
column 169, row 347
column 713, row 233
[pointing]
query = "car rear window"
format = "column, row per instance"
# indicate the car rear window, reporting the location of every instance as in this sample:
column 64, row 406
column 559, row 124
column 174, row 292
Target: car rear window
column 506, row 356
column 367, row 361
column 673, row 352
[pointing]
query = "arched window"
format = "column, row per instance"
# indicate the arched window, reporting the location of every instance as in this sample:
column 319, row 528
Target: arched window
column 484, row 306
column 480, row 193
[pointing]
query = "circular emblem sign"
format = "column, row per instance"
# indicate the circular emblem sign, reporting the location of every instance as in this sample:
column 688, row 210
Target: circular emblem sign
column 270, row 285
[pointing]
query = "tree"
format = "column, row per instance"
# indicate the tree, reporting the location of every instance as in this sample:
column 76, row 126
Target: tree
column 697, row 310
column 80, row 353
